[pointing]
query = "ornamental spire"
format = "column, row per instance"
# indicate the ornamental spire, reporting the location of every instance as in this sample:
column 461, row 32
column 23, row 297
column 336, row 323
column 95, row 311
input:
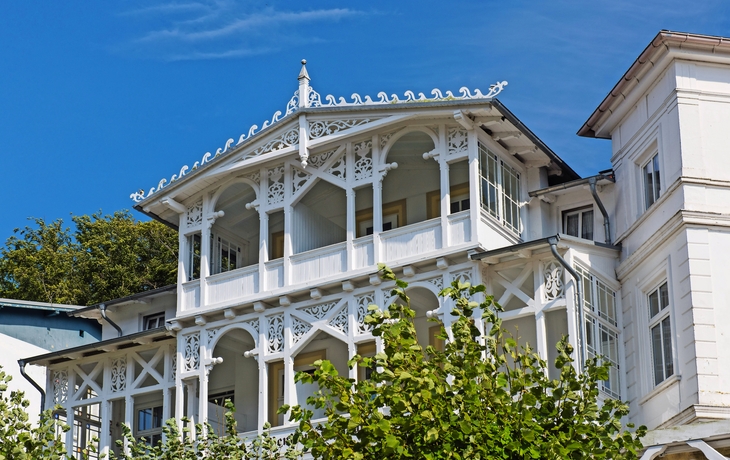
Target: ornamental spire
column 304, row 85
column 303, row 73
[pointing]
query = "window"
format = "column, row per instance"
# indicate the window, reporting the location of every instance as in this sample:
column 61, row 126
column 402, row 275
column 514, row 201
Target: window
column 219, row 399
column 153, row 321
column 302, row 363
column 661, row 334
column 394, row 216
column 579, row 223
column 652, row 181
column 225, row 255
column 149, row 424
column 193, row 256
column 366, row 350
column 277, row 245
column 601, row 327
column 87, row 426
column 500, row 190
column 458, row 200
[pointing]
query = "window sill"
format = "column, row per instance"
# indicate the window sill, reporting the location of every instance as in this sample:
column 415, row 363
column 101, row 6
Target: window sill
column 659, row 388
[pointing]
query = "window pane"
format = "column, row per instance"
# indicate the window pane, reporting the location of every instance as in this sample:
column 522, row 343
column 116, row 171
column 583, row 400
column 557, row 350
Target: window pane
column 193, row 256
column 656, row 351
column 653, row 304
column 511, row 197
column 649, row 185
column 144, row 419
column 606, row 303
column 587, row 230
column 157, row 417
column 657, row 181
column 590, row 342
column 571, row 224
column 664, row 296
column 667, row 339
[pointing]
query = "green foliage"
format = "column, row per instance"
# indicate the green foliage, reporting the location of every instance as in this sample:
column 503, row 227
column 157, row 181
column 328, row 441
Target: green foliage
column 105, row 257
column 184, row 446
column 482, row 398
column 19, row 439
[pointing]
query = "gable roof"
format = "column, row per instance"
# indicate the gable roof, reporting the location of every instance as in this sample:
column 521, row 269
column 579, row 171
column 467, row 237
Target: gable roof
column 664, row 42
column 280, row 136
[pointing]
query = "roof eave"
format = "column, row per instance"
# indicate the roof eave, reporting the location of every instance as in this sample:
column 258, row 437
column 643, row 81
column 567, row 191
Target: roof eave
column 153, row 335
column 656, row 48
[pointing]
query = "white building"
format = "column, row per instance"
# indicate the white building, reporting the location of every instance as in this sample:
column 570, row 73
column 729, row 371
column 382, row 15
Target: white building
column 281, row 231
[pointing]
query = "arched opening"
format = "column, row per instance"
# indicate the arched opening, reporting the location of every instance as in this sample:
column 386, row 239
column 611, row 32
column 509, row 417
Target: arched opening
column 321, row 346
column 320, row 218
column 235, row 236
column 406, row 188
column 237, row 379
column 423, row 301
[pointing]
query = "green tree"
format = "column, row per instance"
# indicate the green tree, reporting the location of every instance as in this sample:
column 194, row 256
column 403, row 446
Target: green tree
column 21, row 440
column 482, row 398
column 104, row 257
column 37, row 263
column 184, row 446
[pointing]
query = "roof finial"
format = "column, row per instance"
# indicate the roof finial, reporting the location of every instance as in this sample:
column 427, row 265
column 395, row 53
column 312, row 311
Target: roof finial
column 303, row 73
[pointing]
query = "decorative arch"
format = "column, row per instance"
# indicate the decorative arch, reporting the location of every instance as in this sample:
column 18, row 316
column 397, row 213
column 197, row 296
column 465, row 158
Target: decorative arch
column 245, row 180
column 407, row 130
column 232, row 379
column 246, row 326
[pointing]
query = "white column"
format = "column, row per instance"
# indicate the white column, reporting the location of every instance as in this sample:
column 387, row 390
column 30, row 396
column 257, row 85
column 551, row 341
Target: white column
column 180, row 392
column 69, row 410
column 205, row 251
column 445, row 201
column 290, row 392
column 540, row 323
column 571, row 296
column 263, row 389
column 474, row 185
column 204, row 369
column 104, row 435
column 377, row 217
column 263, row 247
column 288, row 211
column 351, row 230
column 191, row 387
column 203, row 395
column 182, row 253
column 128, row 417
column 166, row 403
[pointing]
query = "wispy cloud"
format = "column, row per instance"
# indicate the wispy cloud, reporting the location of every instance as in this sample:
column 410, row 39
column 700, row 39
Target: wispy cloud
column 224, row 30
column 167, row 8
column 250, row 23
column 227, row 54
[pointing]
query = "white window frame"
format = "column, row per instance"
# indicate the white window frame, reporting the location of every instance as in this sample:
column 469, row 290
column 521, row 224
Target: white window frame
column 502, row 204
column 662, row 319
column 580, row 211
column 654, row 192
column 218, row 242
column 192, row 259
column 153, row 434
column 158, row 319
column 602, row 319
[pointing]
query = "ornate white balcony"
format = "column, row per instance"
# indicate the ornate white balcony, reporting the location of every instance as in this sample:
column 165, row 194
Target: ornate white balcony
column 232, row 285
column 329, row 263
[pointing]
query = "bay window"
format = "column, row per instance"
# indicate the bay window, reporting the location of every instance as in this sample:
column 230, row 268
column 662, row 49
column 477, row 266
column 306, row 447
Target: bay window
column 500, row 190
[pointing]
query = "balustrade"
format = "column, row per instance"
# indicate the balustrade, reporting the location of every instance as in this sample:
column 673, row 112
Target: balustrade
column 328, row 262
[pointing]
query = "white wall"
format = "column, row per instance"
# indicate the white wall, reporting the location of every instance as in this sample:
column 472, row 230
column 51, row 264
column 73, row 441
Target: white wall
column 128, row 316
column 11, row 350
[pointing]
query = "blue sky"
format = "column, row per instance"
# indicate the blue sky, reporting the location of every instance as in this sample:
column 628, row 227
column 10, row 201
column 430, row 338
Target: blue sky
column 100, row 99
